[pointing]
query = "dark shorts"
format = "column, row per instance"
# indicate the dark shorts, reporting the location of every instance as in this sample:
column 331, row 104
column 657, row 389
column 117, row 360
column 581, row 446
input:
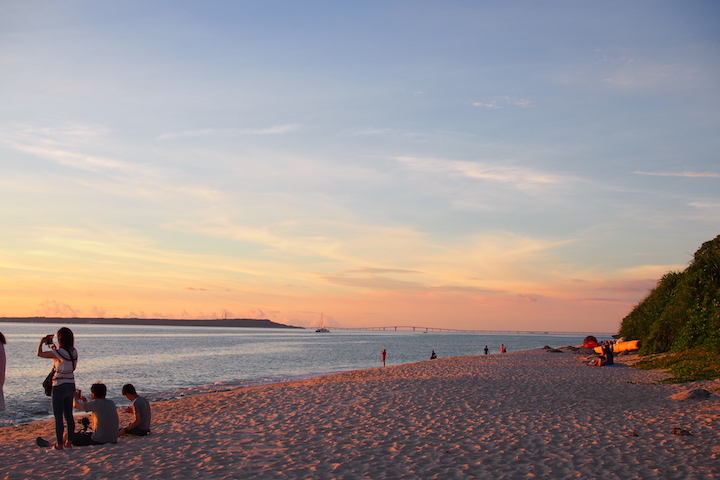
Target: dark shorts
column 84, row 439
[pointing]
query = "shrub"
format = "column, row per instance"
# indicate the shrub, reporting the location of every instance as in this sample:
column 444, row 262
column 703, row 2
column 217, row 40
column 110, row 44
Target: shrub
column 683, row 311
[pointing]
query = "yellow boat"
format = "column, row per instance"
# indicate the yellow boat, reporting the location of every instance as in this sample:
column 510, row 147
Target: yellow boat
column 622, row 346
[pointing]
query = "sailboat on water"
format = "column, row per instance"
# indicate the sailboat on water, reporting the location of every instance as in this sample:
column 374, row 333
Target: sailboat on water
column 322, row 328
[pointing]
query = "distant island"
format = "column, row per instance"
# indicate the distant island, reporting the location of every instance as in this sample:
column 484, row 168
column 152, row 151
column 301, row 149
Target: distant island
column 224, row 322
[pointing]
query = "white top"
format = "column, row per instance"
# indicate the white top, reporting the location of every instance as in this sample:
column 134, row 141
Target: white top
column 64, row 367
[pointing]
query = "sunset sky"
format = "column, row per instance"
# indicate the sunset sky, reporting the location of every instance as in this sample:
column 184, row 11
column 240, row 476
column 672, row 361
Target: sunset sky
column 512, row 165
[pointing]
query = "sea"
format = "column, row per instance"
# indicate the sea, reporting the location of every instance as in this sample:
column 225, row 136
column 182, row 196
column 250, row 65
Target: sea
column 165, row 362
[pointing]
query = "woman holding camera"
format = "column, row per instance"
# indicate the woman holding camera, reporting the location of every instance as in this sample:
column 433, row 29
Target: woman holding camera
column 64, row 358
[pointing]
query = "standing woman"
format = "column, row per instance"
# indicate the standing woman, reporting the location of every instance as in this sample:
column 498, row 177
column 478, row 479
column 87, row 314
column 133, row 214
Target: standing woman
column 2, row 371
column 63, row 385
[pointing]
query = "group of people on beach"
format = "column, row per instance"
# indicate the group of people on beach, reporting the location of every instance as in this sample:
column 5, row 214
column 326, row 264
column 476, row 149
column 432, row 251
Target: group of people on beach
column 503, row 349
column 433, row 355
column 64, row 396
column 606, row 357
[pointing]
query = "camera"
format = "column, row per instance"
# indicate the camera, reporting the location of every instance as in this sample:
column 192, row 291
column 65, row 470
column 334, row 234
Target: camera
column 85, row 422
column 48, row 339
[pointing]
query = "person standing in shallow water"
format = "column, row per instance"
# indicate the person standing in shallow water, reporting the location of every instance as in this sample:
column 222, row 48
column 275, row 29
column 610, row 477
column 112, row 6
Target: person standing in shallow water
column 486, row 350
column 383, row 355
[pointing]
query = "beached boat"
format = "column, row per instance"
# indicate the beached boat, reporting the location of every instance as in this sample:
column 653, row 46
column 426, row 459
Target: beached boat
column 623, row 346
column 322, row 328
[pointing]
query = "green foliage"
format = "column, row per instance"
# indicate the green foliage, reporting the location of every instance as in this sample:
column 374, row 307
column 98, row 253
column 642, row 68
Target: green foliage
column 683, row 311
column 686, row 366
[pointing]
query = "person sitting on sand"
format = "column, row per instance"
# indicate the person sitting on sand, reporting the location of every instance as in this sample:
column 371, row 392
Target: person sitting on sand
column 608, row 351
column 140, row 426
column 605, row 358
column 104, row 419
column 433, row 355
column 597, row 362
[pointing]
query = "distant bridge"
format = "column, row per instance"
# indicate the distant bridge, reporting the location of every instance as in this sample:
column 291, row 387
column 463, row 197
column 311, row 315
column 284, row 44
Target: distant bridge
column 410, row 328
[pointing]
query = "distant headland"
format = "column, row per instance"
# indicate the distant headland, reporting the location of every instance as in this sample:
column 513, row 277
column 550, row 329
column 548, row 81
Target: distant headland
column 223, row 322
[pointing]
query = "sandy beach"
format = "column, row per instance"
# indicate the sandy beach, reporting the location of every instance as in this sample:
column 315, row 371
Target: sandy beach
column 517, row 415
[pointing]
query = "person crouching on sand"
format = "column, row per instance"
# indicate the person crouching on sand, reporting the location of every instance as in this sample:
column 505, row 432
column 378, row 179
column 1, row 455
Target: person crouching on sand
column 140, row 426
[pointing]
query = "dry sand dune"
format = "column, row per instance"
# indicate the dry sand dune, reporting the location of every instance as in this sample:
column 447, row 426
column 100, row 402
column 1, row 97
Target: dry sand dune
column 512, row 416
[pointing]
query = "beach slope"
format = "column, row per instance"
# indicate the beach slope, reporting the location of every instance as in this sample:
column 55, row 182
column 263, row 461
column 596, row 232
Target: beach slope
column 510, row 416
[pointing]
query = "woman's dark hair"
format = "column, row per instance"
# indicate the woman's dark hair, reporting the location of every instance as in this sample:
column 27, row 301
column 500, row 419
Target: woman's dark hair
column 66, row 339
column 2, row 339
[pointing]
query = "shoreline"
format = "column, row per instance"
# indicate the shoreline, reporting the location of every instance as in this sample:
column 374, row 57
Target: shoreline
column 498, row 416
column 180, row 393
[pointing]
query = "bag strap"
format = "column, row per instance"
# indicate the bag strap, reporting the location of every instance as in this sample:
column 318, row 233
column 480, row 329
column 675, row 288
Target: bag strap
column 73, row 360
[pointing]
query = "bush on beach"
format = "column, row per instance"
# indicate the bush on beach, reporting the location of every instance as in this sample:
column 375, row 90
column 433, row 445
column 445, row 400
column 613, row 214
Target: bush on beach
column 688, row 366
column 683, row 311
column 681, row 316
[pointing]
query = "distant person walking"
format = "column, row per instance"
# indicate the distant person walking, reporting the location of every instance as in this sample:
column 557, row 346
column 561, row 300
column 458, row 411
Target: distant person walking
column 383, row 355
column 486, row 350
column 3, row 362
column 503, row 349
column 64, row 357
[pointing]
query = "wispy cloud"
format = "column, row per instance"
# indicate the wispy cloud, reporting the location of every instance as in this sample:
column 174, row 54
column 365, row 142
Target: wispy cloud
column 517, row 176
column 706, row 205
column 380, row 282
column 380, row 270
column 637, row 75
column 708, row 211
column 232, row 132
column 369, row 131
column 67, row 145
column 82, row 161
column 530, row 297
column 681, row 174
column 599, row 299
column 505, row 102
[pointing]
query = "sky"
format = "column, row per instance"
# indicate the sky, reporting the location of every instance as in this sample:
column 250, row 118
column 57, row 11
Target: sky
column 503, row 166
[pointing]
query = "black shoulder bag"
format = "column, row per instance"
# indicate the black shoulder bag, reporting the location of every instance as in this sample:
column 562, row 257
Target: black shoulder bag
column 47, row 383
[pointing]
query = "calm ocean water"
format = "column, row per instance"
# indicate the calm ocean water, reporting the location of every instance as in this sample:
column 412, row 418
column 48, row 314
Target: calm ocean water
column 168, row 362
